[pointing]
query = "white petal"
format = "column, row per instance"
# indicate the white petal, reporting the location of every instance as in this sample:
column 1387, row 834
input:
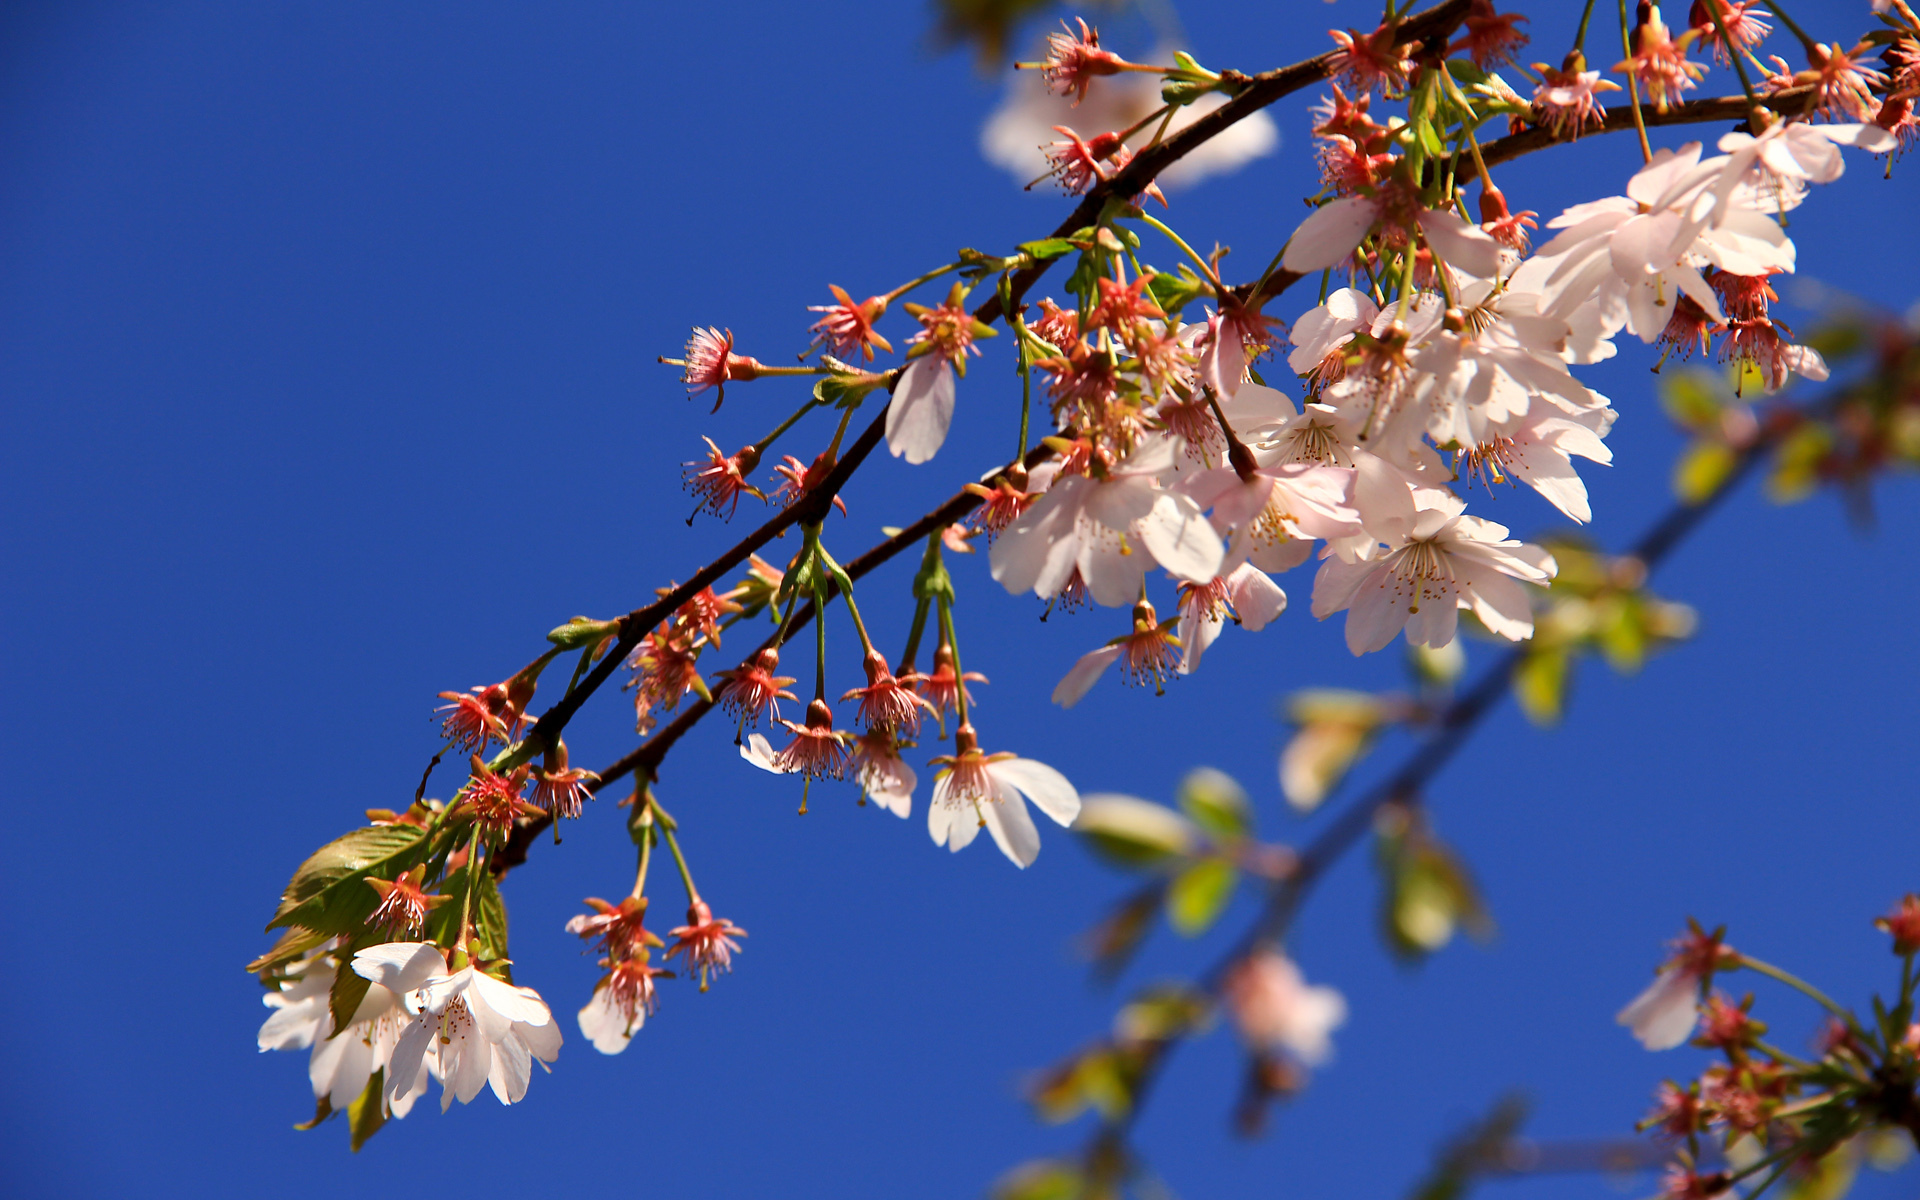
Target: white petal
column 1011, row 826
column 407, row 1065
column 1046, row 787
column 511, row 1069
column 922, row 409
column 1084, row 675
column 1181, row 539
column 759, row 751
column 1256, row 598
column 513, row 1003
column 1663, row 1016
column 1333, row 232
column 605, row 1026
column 1461, row 246
column 401, row 967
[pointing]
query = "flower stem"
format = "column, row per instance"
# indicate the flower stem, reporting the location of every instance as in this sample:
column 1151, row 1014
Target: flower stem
column 820, row 656
column 1806, row 42
column 1026, row 389
column 1143, row 122
column 1580, row 36
column 953, row 650
column 667, row 826
column 1799, row 985
column 917, row 280
column 1740, row 68
column 1206, row 268
column 1633, row 85
column 760, row 447
column 859, row 626
column 645, row 820
column 913, row 636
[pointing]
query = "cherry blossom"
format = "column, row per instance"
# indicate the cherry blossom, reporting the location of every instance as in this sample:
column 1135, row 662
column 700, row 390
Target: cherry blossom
column 1275, row 1008
column 706, row 941
column 976, row 791
column 339, row 1066
column 719, row 480
column 1024, row 119
column 1147, row 655
column 848, row 327
column 1567, row 102
column 1335, row 230
column 622, row 1001
column 883, row 776
column 1246, row 593
column 1112, row 530
column 1445, row 562
column 711, row 364
column 1663, row 1016
column 480, row 1031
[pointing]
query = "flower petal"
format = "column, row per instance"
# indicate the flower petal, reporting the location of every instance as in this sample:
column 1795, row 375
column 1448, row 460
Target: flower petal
column 922, row 409
column 1084, row 675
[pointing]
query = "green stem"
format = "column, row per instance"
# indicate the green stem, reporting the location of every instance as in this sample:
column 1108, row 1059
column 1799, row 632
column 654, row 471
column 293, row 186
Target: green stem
column 462, row 943
column 760, row 447
column 1740, row 68
column 1799, row 985
column 913, row 636
column 579, row 669
column 1143, row 122
column 1580, row 37
column 833, row 447
column 859, row 626
column 1806, row 42
column 1026, row 382
column 646, row 849
column 917, row 280
column 667, row 826
column 953, row 649
column 820, row 648
column 1633, row 85
column 1782, row 1055
column 1206, row 268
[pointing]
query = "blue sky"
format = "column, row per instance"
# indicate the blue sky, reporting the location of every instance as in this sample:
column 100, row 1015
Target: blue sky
column 328, row 377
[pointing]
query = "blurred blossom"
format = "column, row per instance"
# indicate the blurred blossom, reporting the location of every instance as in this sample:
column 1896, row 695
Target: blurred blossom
column 1025, row 119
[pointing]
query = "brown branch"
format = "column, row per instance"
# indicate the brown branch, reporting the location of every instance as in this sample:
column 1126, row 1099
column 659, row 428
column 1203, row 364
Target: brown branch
column 647, row 757
column 1455, row 722
column 1260, row 91
column 1620, row 118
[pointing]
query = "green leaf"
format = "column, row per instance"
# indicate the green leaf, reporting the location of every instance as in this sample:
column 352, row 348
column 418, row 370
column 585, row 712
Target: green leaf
column 1161, row 1014
column 1174, row 290
column 322, row 1109
column 581, row 631
column 1199, row 894
column 490, row 922
column 1702, row 468
column 1540, row 685
column 1048, row 249
column 292, row 944
column 349, row 986
column 1692, row 398
column 328, row 893
column 845, row 390
column 1133, row 832
column 366, row 1114
column 1217, row 803
column 1042, row 1179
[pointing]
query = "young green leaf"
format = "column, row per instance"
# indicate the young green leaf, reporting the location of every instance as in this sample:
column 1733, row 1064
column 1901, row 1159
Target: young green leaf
column 1199, row 894
column 328, row 893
